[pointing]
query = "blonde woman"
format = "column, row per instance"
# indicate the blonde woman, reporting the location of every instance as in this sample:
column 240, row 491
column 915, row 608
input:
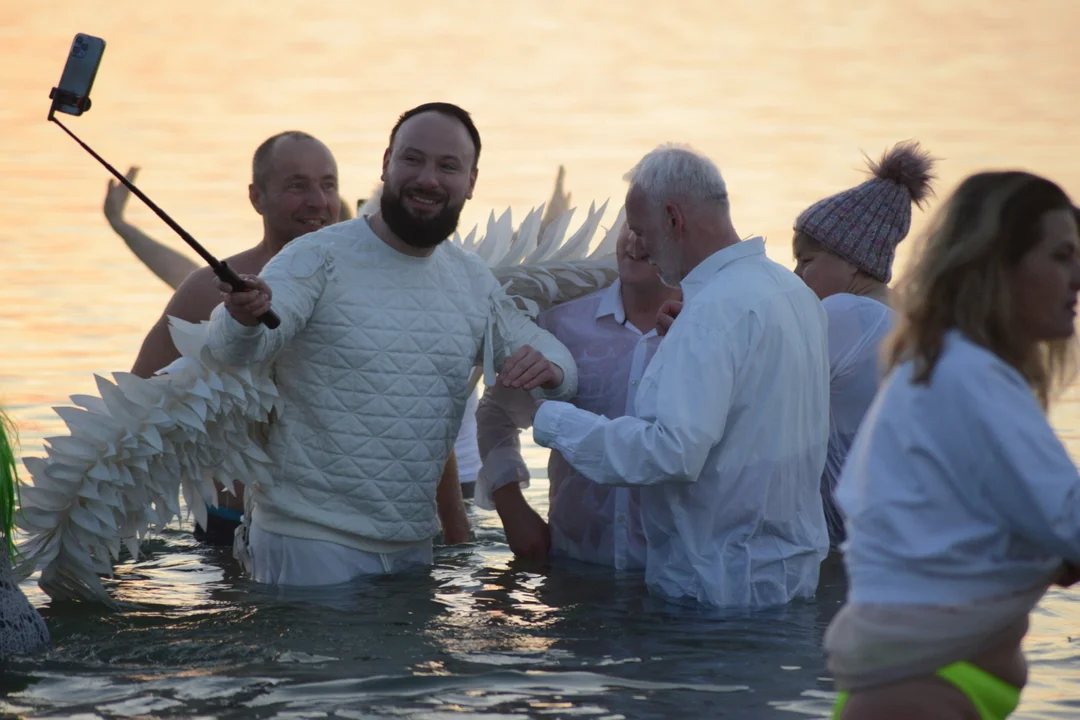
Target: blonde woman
column 962, row 506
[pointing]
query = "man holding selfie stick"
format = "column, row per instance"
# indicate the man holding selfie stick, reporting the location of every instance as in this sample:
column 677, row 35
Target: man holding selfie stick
column 382, row 323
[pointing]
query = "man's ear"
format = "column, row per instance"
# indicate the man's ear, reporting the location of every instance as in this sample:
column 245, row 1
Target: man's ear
column 472, row 182
column 674, row 218
column 255, row 195
column 385, row 164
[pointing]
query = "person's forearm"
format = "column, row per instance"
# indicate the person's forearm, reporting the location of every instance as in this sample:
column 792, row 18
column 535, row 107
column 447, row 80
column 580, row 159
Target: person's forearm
column 509, row 500
column 167, row 264
column 500, row 415
column 451, row 505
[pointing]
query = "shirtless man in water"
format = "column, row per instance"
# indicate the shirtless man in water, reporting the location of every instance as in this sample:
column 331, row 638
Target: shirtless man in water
column 294, row 187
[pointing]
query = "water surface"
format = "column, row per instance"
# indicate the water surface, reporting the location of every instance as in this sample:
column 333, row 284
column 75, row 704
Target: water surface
column 784, row 95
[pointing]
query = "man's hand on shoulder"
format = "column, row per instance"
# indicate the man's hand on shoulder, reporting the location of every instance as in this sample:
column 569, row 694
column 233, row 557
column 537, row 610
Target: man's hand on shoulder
column 528, row 369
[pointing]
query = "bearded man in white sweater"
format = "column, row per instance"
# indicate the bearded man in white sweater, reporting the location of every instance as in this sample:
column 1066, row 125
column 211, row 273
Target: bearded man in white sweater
column 381, row 324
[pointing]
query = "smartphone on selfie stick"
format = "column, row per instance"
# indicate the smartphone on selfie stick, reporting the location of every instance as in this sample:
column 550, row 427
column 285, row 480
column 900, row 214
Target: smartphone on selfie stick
column 72, row 96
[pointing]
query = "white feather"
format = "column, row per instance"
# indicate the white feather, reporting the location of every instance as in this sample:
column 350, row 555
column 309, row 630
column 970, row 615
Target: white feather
column 120, row 471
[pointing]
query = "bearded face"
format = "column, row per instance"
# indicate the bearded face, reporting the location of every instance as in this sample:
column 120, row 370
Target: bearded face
column 428, row 174
column 421, row 217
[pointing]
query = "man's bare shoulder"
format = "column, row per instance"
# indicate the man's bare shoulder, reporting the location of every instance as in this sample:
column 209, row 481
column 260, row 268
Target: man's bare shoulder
column 198, row 295
column 249, row 262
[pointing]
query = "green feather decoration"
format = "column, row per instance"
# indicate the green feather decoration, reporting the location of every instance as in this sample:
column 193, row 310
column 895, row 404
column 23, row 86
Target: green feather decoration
column 9, row 483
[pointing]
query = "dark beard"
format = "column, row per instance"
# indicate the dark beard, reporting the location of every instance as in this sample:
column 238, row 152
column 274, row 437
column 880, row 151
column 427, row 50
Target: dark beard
column 421, row 233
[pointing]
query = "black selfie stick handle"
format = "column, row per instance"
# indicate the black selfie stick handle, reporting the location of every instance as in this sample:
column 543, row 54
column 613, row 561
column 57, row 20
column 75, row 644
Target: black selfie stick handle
column 220, row 268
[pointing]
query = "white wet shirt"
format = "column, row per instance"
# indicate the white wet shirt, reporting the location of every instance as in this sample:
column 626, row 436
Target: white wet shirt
column 728, row 440
column 958, row 491
column 857, row 326
column 589, row 522
column 468, row 455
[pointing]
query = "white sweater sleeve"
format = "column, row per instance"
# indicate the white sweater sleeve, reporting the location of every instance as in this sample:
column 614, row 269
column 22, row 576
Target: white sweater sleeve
column 297, row 278
column 508, row 330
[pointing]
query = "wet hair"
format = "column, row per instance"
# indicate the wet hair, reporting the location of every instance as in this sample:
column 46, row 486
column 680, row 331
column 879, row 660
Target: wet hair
column 448, row 109
column 260, row 162
column 959, row 279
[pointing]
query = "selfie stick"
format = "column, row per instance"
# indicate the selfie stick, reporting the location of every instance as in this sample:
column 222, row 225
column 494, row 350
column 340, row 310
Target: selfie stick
column 220, row 267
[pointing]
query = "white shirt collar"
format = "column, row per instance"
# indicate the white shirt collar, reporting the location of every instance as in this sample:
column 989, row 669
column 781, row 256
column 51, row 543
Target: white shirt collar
column 611, row 303
column 697, row 278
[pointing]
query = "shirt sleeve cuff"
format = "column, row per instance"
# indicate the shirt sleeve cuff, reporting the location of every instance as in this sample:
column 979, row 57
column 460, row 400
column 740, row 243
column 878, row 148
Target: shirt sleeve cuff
column 240, row 331
column 229, row 328
column 548, row 422
column 501, row 467
column 227, row 338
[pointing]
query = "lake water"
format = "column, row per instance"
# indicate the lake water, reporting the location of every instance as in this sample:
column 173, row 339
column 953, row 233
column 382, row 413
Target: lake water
column 784, row 95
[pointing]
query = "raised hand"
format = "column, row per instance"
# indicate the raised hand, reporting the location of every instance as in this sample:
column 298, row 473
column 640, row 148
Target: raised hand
column 116, row 197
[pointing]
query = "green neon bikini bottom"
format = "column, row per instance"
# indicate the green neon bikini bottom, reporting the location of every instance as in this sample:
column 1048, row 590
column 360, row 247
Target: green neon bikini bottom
column 992, row 697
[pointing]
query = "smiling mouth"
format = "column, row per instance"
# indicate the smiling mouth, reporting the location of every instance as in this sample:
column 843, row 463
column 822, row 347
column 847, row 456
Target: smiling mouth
column 425, row 200
column 315, row 222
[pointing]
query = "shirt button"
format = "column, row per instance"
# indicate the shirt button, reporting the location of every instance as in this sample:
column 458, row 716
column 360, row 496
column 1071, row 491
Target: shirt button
column 621, row 519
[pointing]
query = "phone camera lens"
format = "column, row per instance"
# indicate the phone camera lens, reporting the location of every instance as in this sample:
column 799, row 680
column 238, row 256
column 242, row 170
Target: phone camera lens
column 80, row 46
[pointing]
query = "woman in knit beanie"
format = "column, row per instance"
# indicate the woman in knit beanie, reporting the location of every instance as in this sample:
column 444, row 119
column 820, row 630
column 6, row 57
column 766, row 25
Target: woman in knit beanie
column 844, row 248
column 22, row 630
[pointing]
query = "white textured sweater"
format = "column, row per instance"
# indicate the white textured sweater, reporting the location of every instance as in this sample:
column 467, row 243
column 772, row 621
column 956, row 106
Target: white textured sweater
column 373, row 359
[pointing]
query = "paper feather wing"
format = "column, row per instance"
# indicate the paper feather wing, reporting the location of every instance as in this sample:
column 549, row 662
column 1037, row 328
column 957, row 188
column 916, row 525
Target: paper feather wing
column 131, row 452
column 540, row 265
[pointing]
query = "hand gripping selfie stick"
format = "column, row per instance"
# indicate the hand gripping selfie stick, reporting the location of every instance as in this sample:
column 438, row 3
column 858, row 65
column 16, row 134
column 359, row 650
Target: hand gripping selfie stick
column 61, row 97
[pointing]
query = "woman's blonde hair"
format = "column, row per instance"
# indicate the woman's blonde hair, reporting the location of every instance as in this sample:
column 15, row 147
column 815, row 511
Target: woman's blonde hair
column 959, row 280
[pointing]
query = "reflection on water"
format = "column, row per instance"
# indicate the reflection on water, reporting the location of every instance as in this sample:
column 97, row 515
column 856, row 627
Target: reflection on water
column 785, row 96
column 479, row 636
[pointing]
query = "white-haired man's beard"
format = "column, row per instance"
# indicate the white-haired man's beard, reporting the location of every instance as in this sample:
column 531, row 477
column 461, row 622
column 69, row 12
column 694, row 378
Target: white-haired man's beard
column 667, row 264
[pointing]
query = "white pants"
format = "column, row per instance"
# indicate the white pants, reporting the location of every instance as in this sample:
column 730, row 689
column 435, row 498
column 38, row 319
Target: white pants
column 280, row 560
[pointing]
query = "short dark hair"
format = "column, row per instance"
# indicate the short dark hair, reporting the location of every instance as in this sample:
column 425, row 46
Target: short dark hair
column 448, row 109
column 260, row 162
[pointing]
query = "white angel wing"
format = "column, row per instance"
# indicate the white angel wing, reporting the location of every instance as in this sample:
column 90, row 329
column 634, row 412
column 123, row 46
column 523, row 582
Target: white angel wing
column 539, row 264
column 131, row 451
